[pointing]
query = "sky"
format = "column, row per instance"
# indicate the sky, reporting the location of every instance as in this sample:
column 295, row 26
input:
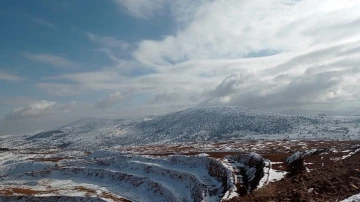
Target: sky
column 64, row 60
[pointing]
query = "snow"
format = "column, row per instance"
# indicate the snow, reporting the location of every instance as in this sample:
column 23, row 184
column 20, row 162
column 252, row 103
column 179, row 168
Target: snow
column 197, row 124
column 137, row 178
column 350, row 154
column 203, row 154
column 271, row 175
column 232, row 190
column 354, row 198
column 164, row 178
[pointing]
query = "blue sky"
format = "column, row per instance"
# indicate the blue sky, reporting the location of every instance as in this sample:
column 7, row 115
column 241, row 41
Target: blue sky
column 64, row 60
column 60, row 29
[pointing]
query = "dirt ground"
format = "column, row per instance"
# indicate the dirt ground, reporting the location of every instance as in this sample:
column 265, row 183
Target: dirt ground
column 329, row 183
column 329, row 177
column 244, row 146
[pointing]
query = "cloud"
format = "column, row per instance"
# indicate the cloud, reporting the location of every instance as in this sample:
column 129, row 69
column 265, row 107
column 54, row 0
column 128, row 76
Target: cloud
column 61, row 89
column 108, row 42
column 228, row 86
column 43, row 115
column 38, row 109
column 89, row 77
column 269, row 55
column 43, row 22
column 16, row 101
column 263, row 54
column 5, row 76
column 329, row 79
column 50, row 59
column 79, row 83
column 142, row 8
column 279, row 26
column 119, row 52
column 111, row 100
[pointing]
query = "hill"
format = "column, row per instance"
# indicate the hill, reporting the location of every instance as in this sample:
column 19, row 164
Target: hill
column 195, row 124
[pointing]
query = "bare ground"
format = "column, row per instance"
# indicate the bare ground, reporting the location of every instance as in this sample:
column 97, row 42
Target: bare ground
column 329, row 183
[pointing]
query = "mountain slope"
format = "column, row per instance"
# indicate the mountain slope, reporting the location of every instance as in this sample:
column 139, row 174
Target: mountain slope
column 197, row 124
column 212, row 123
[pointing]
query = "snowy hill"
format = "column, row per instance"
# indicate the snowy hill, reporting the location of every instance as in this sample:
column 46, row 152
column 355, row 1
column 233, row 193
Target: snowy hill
column 197, row 124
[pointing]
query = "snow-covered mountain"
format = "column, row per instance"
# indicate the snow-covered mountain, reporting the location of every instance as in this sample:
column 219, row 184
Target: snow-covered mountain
column 196, row 124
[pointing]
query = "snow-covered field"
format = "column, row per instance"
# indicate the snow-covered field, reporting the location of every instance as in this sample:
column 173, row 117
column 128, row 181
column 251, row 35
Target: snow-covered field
column 192, row 155
column 112, row 176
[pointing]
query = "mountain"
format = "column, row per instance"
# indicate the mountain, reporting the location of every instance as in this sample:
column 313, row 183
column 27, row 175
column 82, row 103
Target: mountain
column 195, row 124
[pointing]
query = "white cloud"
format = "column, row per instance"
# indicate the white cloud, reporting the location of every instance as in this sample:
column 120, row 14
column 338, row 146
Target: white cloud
column 39, row 109
column 315, row 47
column 142, row 8
column 42, row 115
column 81, row 82
column 61, row 88
column 50, row 59
column 116, row 50
column 43, row 22
column 271, row 54
column 5, row 76
column 16, row 101
column 230, row 29
column 108, row 42
column 89, row 77
column 111, row 100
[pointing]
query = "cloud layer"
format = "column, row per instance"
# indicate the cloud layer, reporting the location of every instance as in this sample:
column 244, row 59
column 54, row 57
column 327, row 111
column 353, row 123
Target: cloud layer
column 6, row 76
column 110, row 101
column 39, row 109
column 142, row 8
column 276, row 55
column 51, row 59
column 260, row 54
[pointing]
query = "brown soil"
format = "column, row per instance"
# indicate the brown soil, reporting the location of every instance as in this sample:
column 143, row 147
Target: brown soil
column 39, row 152
column 31, row 192
column 52, row 159
column 328, row 183
column 105, row 195
column 258, row 146
column 21, row 191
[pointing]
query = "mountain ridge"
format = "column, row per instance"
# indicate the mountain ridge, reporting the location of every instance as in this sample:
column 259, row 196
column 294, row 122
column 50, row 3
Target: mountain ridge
column 196, row 124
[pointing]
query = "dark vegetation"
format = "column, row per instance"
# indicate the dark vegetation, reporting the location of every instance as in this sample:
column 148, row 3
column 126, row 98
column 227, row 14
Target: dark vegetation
column 329, row 183
column 251, row 168
column 45, row 134
column 295, row 164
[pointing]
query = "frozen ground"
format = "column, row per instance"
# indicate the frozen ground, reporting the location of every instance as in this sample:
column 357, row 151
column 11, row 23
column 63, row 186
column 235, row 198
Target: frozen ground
column 354, row 198
column 117, row 175
column 112, row 176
